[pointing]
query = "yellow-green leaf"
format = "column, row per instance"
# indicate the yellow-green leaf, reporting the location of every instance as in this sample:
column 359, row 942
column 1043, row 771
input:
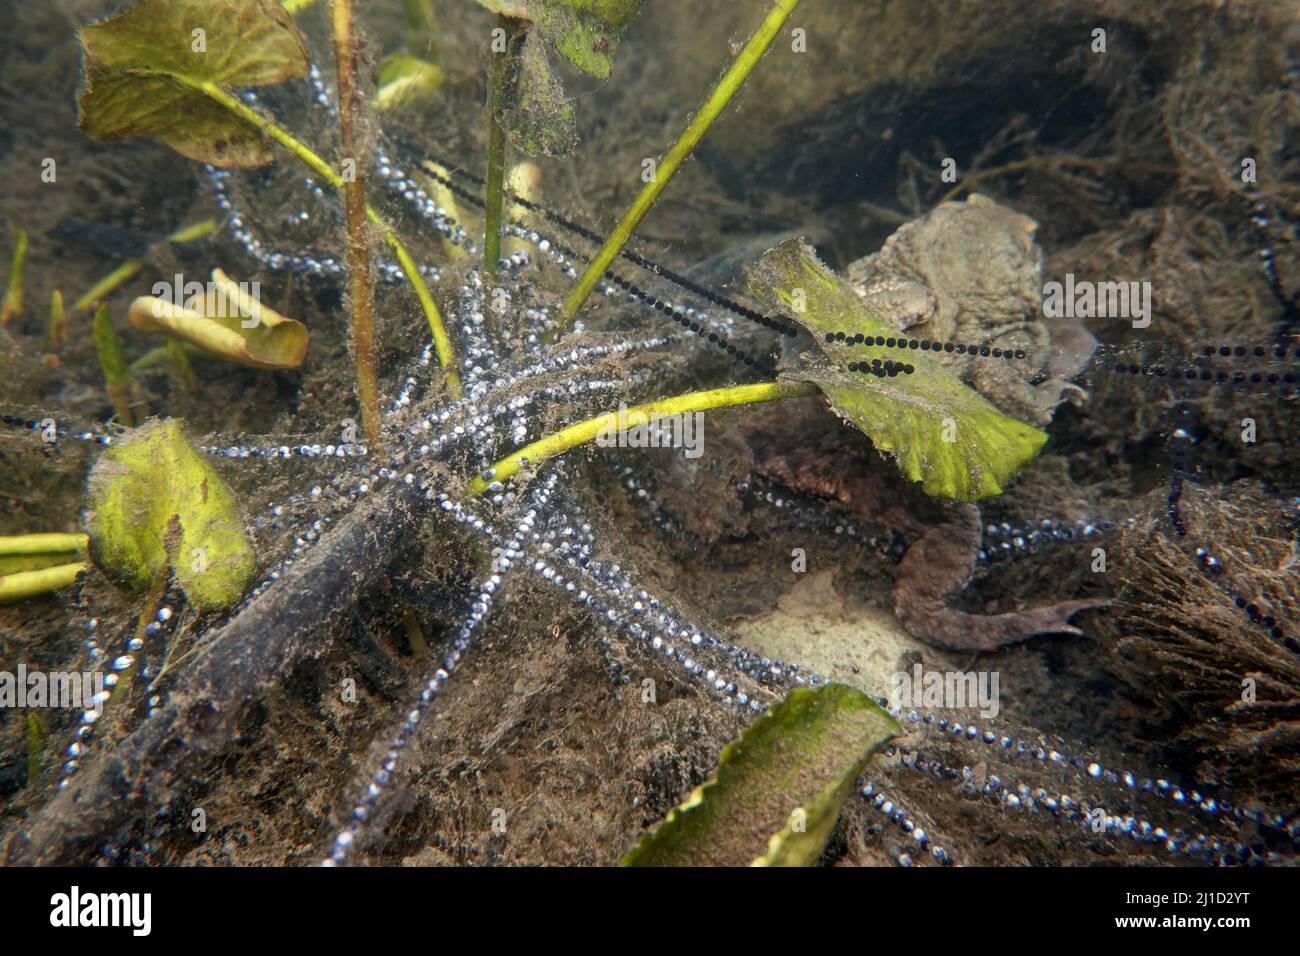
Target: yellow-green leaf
column 585, row 32
column 147, row 70
column 227, row 322
column 158, row 507
column 537, row 116
column 778, row 789
column 942, row 433
column 406, row 79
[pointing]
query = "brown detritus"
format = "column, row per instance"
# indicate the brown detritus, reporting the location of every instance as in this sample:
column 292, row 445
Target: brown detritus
column 1185, row 646
column 1206, row 291
column 287, row 624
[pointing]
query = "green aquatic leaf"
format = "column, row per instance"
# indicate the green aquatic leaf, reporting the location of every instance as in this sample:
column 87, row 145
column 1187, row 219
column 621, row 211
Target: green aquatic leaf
column 158, row 507
column 146, row 70
column 584, row 32
column 943, row 433
column 228, row 322
column 778, row 789
column 405, row 80
column 537, row 116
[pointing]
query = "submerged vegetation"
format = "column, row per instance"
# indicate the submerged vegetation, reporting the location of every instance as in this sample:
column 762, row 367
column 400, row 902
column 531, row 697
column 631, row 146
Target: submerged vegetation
column 264, row 577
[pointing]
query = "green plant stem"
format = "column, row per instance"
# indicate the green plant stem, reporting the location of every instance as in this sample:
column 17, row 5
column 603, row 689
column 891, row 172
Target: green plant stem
column 101, row 289
column 582, row 432
column 58, row 316
column 354, row 203
column 180, row 364
column 37, row 734
column 713, row 106
column 13, row 300
column 420, row 26
column 129, row 267
column 441, row 342
column 117, row 375
column 494, row 189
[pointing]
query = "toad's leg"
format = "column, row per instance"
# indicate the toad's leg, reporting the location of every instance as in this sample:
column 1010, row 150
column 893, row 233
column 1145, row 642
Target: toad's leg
column 937, row 567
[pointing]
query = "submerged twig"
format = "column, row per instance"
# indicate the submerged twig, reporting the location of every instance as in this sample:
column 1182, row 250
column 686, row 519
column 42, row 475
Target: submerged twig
column 498, row 80
column 258, row 646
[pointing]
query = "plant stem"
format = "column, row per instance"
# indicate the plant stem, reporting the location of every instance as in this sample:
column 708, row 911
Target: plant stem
column 58, row 316
column 582, row 432
column 498, row 80
column 118, row 380
column 354, row 202
column 420, row 19
column 13, row 300
column 37, row 734
column 125, row 678
column 441, row 342
column 180, row 364
column 713, row 106
column 44, row 542
column 21, row 585
column 129, row 267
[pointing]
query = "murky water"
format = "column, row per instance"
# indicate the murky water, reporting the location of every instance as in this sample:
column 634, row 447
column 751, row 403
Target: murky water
column 1050, row 270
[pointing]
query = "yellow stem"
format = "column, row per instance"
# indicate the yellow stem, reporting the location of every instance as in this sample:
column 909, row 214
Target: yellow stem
column 58, row 316
column 26, row 584
column 101, row 289
column 13, row 300
column 717, row 101
column 43, row 543
column 441, row 342
column 584, row 431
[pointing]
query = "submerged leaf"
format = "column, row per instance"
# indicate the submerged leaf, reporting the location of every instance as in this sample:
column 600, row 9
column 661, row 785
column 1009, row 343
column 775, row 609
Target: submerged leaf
column 538, row 117
column 405, row 80
column 585, row 32
column 942, row 432
column 228, row 322
column 156, row 507
column 778, row 789
column 146, row 70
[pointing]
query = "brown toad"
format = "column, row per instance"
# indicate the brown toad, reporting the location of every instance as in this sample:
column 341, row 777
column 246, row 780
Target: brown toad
column 803, row 446
column 968, row 272
column 971, row 273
